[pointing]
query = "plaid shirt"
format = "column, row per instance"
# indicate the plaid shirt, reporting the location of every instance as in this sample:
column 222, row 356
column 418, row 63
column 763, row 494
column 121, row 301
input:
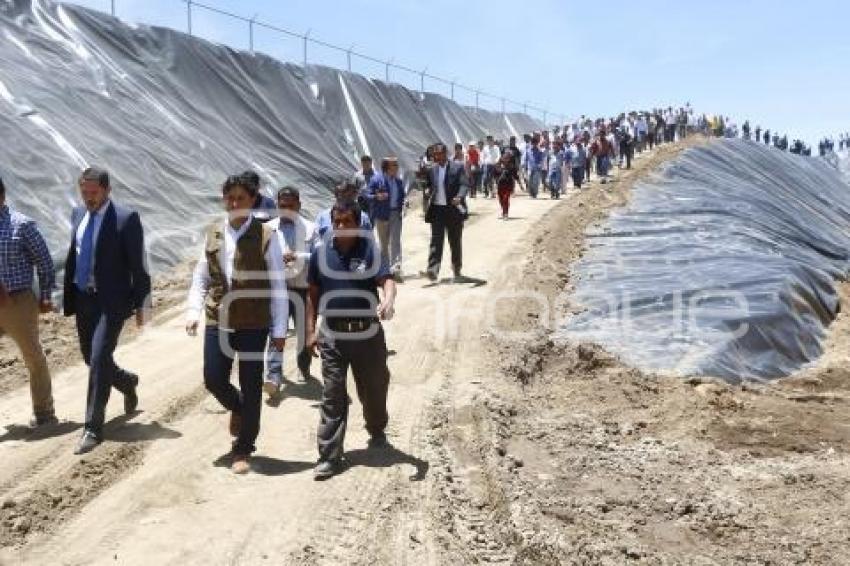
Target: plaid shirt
column 21, row 248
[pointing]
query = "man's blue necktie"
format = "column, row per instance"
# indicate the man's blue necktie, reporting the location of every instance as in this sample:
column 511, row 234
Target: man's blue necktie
column 84, row 259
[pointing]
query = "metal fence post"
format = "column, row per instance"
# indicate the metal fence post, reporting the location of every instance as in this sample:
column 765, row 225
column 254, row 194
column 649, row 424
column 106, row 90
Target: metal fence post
column 306, row 39
column 113, row 8
column 387, row 71
column 348, row 55
column 251, row 32
column 477, row 106
column 503, row 105
column 422, row 83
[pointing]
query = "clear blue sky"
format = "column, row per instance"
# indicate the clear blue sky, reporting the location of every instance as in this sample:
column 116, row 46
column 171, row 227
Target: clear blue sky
column 782, row 64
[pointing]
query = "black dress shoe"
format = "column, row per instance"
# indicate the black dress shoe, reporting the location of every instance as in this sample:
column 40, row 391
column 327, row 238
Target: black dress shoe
column 304, row 374
column 429, row 274
column 131, row 400
column 88, row 442
column 378, row 441
column 327, row 469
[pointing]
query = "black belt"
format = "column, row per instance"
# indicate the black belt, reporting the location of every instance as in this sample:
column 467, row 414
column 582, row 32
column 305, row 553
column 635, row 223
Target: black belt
column 350, row 324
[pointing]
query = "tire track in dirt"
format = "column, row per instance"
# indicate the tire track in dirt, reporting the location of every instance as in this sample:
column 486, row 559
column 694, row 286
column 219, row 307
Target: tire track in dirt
column 173, row 494
column 467, row 508
column 39, row 507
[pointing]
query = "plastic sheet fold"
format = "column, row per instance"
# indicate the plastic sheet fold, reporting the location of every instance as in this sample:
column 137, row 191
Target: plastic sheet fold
column 724, row 264
column 171, row 116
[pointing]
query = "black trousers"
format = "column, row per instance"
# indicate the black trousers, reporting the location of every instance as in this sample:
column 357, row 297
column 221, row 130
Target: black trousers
column 627, row 150
column 367, row 357
column 445, row 220
column 220, row 348
column 98, row 333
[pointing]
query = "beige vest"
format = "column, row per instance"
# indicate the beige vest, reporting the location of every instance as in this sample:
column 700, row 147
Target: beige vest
column 250, row 273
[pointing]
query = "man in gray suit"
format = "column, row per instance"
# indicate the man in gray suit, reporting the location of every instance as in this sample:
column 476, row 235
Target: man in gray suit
column 445, row 210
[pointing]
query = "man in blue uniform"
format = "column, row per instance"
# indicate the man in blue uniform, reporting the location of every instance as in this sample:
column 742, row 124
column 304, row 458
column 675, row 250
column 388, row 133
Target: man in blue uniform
column 344, row 277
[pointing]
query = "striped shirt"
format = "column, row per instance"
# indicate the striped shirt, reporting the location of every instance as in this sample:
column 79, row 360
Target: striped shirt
column 22, row 248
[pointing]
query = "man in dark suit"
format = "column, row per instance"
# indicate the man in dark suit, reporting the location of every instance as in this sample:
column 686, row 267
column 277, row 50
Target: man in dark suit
column 106, row 282
column 445, row 210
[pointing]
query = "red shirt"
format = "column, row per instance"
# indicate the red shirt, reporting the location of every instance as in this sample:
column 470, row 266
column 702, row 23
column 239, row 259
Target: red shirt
column 472, row 156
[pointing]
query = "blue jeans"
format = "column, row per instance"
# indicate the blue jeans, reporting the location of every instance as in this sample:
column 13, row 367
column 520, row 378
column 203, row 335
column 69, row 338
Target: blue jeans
column 555, row 182
column 274, row 357
column 534, row 177
column 578, row 176
column 486, row 178
column 247, row 400
column 603, row 162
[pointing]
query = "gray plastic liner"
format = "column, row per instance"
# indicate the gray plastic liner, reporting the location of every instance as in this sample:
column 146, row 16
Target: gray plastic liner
column 725, row 264
column 171, row 116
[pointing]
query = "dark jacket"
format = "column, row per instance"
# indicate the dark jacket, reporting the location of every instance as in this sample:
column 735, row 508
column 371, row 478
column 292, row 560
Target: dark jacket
column 122, row 281
column 457, row 185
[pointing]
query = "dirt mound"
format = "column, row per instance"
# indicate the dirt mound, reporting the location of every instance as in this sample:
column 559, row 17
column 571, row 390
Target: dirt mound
column 575, row 458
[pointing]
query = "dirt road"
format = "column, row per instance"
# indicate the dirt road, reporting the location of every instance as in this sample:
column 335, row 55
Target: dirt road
column 509, row 447
column 155, row 492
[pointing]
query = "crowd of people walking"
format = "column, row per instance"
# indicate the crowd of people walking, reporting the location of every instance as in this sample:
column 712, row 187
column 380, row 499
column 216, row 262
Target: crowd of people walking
column 263, row 263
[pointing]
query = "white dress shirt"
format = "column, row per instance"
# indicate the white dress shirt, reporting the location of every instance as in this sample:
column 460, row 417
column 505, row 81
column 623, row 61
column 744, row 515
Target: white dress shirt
column 277, row 284
column 440, row 189
column 304, row 236
column 490, row 155
column 81, row 230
